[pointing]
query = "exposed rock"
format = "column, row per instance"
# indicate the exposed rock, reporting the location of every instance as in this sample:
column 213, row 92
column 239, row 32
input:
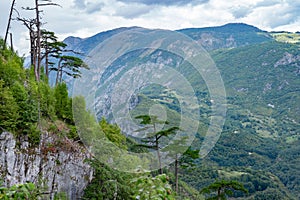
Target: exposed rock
column 287, row 59
column 59, row 167
column 267, row 87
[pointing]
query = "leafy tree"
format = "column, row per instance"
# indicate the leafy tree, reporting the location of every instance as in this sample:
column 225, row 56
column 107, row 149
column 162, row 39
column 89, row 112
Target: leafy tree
column 183, row 155
column 113, row 133
column 153, row 138
column 70, row 65
column 85, row 122
column 8, row 109
column 35, row 33
column 63, row 104
column 11, row 67
column 47, row 99
column 27, row 107
column 223, row 188
column 27, row 191
column 147, row 187
column 19, row 97
column 12, row 77
column 51, row 48
column 269, row 193
column 187, row 160
column 107, row 183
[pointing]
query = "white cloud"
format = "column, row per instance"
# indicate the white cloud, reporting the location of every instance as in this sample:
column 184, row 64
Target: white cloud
column 276, row 16
column 85, row 18
column 133, row 10
column 165, row 2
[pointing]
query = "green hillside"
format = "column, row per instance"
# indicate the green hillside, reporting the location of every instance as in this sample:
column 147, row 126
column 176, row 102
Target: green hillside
column 261, row 133
column 260, row 137
column 286, row 37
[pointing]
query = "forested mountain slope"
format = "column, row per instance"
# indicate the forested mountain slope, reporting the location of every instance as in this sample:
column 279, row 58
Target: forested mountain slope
column 260, row 139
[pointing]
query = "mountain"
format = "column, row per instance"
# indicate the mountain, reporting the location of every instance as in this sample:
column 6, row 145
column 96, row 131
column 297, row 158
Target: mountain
column 87, row 44
column 211, row 38
column 227, row 36
column 259, row 143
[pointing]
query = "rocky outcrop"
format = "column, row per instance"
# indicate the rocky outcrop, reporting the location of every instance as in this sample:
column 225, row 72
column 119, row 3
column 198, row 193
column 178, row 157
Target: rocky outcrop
column 57, row 164
column 287, row 59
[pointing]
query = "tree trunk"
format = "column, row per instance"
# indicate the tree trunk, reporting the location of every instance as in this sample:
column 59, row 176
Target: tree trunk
column 157, row 150
column 8, row 24
column 176, row 174
column 47, row 65
column 58, row 72
column 60, row 76
column 38, row 41
column 11, row 42
column 32, row 49
column 219, row 193
column 158, row 155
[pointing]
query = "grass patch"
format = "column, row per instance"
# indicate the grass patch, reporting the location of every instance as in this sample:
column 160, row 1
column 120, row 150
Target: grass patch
column 292, row 38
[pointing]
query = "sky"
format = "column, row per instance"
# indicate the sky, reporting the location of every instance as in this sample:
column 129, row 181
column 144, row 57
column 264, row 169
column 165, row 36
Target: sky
column 84, row 18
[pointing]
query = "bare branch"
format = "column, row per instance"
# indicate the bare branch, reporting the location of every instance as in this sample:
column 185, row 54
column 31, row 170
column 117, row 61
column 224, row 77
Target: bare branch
column 49, row 4
column 28, row 8
column 9, row 20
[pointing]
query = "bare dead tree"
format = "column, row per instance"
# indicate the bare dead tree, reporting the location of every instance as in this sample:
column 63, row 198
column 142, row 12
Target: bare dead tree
column 9, row 20
column 34, row 27
column 30, row 24
column 11, row 42
column 38, row 40
column 38, row 29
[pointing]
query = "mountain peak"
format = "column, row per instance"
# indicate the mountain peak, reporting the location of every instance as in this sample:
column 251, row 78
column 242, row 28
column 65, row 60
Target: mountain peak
column 230, row 27
column 241, row 27
column 72, row 41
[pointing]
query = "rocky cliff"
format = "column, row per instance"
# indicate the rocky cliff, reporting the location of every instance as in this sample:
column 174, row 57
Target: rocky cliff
column 57, row 165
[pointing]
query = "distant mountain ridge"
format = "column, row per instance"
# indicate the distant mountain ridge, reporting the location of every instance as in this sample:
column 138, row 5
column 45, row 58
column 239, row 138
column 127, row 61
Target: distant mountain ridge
column 230, row 27
column 227, row 36
column 87, row 44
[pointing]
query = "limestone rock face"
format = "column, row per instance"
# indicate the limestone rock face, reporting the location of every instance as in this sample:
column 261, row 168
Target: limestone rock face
column 57, row 165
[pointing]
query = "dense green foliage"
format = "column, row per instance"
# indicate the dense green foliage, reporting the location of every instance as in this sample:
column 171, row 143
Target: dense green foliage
column 222, row 189
column 112, row 184
column 107, row 183
column 26, row 102
column 113, row 133
column 156, row 188
column 27, row 191
column 19, row 96
column 63, row 103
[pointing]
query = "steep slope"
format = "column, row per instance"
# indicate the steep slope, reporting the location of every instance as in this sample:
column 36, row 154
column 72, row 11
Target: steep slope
column 263, row 78
column 261, row 132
